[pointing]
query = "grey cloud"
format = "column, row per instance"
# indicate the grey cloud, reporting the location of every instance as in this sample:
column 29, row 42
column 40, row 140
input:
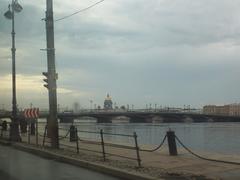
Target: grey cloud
column 186, row 22
column 170, row 52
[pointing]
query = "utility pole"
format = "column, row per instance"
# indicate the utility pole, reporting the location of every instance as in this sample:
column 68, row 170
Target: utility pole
column 52, row 122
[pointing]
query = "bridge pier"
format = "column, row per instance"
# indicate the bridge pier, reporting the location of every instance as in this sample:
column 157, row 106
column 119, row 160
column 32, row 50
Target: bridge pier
column 138, row 119
column 66, row 120
column 104, row 119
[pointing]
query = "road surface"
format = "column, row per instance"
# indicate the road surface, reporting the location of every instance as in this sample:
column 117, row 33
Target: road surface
column 19, row 165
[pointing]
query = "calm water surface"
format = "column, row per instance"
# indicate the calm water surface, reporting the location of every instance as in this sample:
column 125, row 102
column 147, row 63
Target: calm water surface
column 210, row 137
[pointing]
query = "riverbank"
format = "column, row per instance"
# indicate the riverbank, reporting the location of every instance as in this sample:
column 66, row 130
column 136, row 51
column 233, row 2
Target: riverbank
column 155, row 165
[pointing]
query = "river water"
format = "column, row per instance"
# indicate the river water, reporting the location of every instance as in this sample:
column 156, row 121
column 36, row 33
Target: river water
column 209, row 137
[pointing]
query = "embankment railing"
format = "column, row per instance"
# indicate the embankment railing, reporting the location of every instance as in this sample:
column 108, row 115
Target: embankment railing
column 76, row 143
column 73, row 139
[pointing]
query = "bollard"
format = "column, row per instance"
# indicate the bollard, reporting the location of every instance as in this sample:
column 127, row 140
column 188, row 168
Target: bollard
column 172, row 143
column 73, row 135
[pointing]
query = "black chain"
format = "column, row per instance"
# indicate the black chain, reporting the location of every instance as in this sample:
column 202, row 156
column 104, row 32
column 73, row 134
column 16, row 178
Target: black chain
column 214, row 160
column 155, row 149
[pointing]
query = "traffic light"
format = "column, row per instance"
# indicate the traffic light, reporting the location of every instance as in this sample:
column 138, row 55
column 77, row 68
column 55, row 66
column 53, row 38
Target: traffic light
column 45, row 80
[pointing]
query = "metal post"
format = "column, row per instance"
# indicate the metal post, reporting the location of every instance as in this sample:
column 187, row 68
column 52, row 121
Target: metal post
column 37, row 131
column 29, row 132
column 52, row 87
column 172, row 143
column 103, row 147
column 73, row 135
column 44, row 135
column 76, row 132
column 137, row 149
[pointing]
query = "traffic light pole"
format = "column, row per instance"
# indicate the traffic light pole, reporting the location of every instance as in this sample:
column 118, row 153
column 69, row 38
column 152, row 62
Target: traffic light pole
column 52, row 87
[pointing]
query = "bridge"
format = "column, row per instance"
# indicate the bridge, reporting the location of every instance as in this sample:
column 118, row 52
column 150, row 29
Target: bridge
column 149, row 117
column 137, row 116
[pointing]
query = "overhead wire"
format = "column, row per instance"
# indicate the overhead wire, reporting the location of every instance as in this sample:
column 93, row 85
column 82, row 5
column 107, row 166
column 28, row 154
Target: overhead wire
column 79, row 11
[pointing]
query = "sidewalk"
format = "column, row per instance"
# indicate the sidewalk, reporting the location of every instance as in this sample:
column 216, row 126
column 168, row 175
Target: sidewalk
column 156, row 165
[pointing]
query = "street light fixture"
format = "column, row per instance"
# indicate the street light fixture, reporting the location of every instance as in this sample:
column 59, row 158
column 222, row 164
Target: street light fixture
column 8, row 14
column 12, row 8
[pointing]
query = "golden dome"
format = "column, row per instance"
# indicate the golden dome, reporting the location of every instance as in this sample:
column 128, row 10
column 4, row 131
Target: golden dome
column 108, row 97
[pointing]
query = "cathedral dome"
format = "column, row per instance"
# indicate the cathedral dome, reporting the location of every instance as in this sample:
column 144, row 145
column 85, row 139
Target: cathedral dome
column 108, row 102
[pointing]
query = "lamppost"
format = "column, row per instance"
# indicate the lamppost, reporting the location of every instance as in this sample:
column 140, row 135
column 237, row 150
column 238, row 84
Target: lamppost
column 12, row 8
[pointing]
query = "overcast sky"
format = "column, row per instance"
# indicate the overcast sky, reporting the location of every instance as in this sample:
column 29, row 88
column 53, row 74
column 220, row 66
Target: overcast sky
column 168, row 52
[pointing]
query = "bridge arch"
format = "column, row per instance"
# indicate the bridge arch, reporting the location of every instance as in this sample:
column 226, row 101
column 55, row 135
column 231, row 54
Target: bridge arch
column 121, row 119
column 157, row 119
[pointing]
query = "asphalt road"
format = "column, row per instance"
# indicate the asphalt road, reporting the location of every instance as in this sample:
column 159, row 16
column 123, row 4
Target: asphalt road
column 18, row 165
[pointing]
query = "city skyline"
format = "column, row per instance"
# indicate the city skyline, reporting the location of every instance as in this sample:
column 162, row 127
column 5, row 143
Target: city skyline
column 170, row 53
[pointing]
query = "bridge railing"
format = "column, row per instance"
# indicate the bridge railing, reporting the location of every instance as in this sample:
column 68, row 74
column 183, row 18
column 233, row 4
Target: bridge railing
column 76, row 140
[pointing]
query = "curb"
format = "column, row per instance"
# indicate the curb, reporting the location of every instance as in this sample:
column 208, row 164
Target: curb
column 115, row 172
column 5, row 142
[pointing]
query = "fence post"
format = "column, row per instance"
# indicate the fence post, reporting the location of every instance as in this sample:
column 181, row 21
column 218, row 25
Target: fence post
column 172, row 147
column 44, row 135
column 37, row 132
column 137, row 149
column 29, row 133
column 76, row 131
column 102, row 143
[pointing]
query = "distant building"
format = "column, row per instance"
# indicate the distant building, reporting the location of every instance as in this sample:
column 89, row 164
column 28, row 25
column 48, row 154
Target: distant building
column 108, row 102
column 209, row 109
column 234, row 109
column 226, row 110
